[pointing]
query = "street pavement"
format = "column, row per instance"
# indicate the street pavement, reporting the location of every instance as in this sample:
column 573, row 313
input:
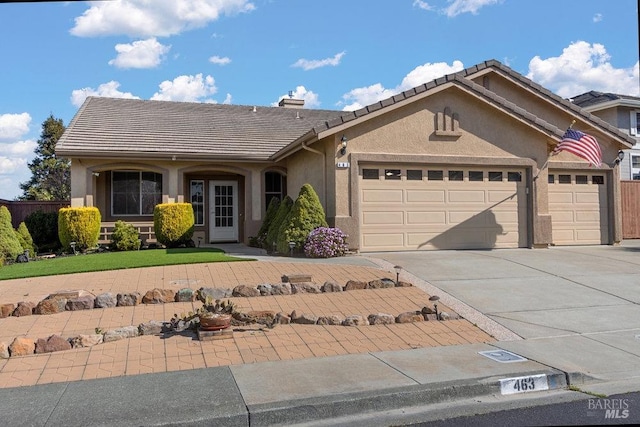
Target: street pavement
column 559, row 324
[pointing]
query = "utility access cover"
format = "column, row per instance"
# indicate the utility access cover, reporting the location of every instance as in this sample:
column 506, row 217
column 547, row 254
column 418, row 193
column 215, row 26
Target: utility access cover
column 502, row 356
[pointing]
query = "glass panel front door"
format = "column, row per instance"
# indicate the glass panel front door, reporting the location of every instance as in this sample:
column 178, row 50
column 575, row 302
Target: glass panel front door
column 223, row 211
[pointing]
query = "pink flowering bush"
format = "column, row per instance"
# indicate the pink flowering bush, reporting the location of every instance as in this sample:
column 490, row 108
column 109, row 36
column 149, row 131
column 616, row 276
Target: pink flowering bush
column 325, row 242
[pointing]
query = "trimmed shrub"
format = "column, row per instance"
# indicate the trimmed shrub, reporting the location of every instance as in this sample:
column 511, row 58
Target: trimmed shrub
column 274, row 227
column 80, row 225
column 272, row 210
column 43, row 227
column 10, row 246
column 305, row 215
column 125, row 237
column 173, row 223
column 326, row 242
column 25, row 239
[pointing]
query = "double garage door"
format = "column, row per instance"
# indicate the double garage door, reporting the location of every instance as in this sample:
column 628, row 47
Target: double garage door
column 423, row 207
column 579, row 208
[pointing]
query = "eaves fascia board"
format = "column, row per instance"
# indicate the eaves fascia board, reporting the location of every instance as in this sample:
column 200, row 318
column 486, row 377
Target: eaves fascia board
column 157, row 156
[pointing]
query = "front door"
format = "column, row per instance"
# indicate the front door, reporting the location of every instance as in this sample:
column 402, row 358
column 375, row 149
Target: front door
column 223, row 211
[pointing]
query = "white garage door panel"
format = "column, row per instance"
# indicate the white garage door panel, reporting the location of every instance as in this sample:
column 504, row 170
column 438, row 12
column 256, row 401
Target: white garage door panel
column 441, row 214
column 417, row 196
column 579, row 211
column 420, row 218
column 385, row 240
column 593, row 198
column 382, row 196
column 383, row 218
column 456, row 196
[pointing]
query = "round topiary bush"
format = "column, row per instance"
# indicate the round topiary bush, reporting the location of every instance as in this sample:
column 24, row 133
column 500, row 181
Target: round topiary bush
column 173, row 224
column 79, row 225
column 125, row 237
column 43, row 227
column 326, row 242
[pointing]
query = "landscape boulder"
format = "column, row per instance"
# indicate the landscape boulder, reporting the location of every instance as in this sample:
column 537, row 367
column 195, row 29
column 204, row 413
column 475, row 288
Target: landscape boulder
column 159, row 296
column 22, row 346
column 51, row 344
column 105, row 300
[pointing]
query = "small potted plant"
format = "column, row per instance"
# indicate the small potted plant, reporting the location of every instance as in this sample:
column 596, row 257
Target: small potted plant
column 212, row 316
column 216, row 315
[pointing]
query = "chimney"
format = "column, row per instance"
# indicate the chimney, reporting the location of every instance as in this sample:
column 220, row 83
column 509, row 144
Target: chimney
column 291, row 103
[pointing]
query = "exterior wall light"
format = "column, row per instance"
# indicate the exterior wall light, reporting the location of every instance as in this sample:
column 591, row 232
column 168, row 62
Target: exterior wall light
column 343, row 145
column 619, row 158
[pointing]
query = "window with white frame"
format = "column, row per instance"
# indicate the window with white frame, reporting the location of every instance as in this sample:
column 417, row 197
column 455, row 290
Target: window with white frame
column 135, row 192
column 197, row 200
column 635, row 162
column 634, row 127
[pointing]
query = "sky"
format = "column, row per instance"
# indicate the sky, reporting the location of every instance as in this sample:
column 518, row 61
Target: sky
column 334, row 54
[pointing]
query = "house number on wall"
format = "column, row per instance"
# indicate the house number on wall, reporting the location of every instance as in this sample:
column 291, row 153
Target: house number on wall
column 343, row 164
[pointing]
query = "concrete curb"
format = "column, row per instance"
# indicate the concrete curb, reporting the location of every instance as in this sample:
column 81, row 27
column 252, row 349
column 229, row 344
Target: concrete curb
column 326, row 408
column 210, row 397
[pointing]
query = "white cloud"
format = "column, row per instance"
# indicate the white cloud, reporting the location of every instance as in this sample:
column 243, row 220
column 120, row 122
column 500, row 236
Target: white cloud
column 14, row 166
column 109, row 89
column 187, row 89
column 13, row 126
column 583, row 67
column 363, row 96
column 310, row 98
column 145, row 18
column 219, row 60
column 311, row 64
column 140, row 54
column 20, row 148
column 458, row 7
column 597, row 17
column 227, row 100
column 422, row 5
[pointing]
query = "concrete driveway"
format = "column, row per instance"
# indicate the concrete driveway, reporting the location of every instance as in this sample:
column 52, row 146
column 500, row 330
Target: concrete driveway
column 577, row 308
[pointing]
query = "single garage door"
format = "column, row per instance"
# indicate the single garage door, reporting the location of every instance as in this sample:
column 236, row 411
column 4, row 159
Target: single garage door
column 421, row 207
column 578, row 207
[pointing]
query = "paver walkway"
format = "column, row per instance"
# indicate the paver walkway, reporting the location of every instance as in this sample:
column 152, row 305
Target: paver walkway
column 151, row 354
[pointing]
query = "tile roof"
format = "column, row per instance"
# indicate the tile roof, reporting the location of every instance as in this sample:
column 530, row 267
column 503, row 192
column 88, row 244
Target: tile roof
column 461, row 78
column 594, row 98
column 157, row 129
column 111, row 127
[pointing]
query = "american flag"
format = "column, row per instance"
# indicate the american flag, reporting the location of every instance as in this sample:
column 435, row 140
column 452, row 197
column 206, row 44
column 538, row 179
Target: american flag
column 582, row 145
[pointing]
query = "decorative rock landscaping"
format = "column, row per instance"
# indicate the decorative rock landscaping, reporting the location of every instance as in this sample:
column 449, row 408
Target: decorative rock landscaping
column 294, row 284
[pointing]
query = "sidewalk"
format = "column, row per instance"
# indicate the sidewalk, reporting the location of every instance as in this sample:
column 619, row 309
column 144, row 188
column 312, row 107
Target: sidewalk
column 286, row 375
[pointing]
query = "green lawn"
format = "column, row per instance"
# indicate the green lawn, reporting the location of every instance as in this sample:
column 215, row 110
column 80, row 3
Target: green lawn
column 114, row 261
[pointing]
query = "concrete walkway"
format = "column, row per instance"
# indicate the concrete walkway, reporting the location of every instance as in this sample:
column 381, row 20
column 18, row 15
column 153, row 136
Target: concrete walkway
column 570, row 313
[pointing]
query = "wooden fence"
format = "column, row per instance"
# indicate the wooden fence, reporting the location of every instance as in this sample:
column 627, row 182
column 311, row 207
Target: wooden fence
column 630, row 195
column 21, row 209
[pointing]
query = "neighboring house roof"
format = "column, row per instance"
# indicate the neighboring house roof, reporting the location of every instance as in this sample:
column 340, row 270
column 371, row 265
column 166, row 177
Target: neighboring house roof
column 460, row 79
column 593, row 100
column 115, row 127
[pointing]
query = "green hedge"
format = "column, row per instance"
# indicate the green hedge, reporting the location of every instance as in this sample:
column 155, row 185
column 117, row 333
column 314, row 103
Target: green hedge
column 173, row 223
column 80, row 225
column 10, row 246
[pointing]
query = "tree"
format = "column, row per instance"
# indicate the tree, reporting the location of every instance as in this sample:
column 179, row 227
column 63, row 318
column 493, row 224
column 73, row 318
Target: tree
column 51, row 176
column 305, row 215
